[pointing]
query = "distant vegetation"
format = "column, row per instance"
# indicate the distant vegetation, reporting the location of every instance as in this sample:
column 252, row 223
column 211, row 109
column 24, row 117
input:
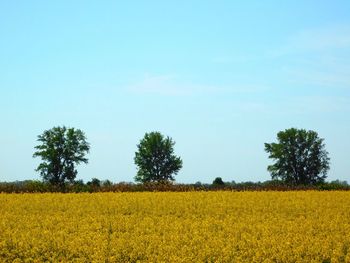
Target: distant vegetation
column 300, row 163
column 95, row 185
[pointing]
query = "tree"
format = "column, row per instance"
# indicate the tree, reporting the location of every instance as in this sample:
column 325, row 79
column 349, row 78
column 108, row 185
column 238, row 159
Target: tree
column 155, row 159
column 95, row 183
column 218, row 182
column 107, row 183
column 300, row 157
column 61, row 149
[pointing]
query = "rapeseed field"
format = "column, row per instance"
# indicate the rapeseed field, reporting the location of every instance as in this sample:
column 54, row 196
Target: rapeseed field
column 300, row 226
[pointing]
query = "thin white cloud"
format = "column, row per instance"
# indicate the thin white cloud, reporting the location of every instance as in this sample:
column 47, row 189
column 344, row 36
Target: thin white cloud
column 254, row 107
column 320, row 104
column 173, row 86
column 333, row 37
column 316, row 40
column 321, row 77
column 297, row 105
column 323, row 71
column 234, row 59
column 318, row 57
column 222, row 60
column 160, row 84
column 237, row 58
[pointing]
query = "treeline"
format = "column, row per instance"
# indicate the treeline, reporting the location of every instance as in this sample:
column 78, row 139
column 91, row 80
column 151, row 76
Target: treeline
column 300, row 162
column 96, row 185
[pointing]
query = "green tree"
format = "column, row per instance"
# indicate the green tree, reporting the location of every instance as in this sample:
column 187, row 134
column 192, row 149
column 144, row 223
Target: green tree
column 300, row 157
column 94, row 182
column 218, row 182
column 61, row 149
column 155, row 159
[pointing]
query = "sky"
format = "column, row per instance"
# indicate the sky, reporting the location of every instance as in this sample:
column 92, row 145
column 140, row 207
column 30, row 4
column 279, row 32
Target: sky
column 221, row 78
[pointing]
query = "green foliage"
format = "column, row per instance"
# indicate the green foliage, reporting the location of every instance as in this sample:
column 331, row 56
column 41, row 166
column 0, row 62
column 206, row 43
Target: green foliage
column 155, row 159
column 218, row 181
column 94, row 184
column 300, row 157
column 340, row 183
column 30, row 186
column 335, row 185
column 107, row 183
column 61, row 149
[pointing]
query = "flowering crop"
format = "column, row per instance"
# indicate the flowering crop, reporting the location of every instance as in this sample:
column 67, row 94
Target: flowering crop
column 307, row 226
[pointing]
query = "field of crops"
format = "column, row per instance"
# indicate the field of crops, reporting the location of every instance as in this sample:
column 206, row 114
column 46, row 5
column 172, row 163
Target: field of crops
column 176, row 227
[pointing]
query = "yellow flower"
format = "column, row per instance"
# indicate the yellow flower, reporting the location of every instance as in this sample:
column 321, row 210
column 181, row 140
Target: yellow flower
column 298, row 226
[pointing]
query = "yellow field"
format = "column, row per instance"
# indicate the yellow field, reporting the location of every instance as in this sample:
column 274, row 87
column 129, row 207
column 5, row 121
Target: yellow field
column 176, row 227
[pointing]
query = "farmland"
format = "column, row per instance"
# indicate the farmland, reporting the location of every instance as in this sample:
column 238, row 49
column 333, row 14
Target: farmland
column 222, row 226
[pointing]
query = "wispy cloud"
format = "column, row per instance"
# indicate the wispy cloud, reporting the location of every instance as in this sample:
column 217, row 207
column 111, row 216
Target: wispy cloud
column 296, row 105
column 163, row 85
column 329, row 77
column 321, row 104
column 316, row 40
column 167, row 85
column 237, row 58
column 172, row 85
column 319, row 56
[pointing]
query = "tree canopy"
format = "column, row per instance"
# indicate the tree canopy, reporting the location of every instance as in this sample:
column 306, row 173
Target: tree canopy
column 300, row 157
column 155, row 159
column 218, row 181
column 61, row 149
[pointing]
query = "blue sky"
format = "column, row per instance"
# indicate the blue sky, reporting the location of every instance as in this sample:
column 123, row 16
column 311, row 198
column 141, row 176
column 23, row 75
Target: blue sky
column 219, row 77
